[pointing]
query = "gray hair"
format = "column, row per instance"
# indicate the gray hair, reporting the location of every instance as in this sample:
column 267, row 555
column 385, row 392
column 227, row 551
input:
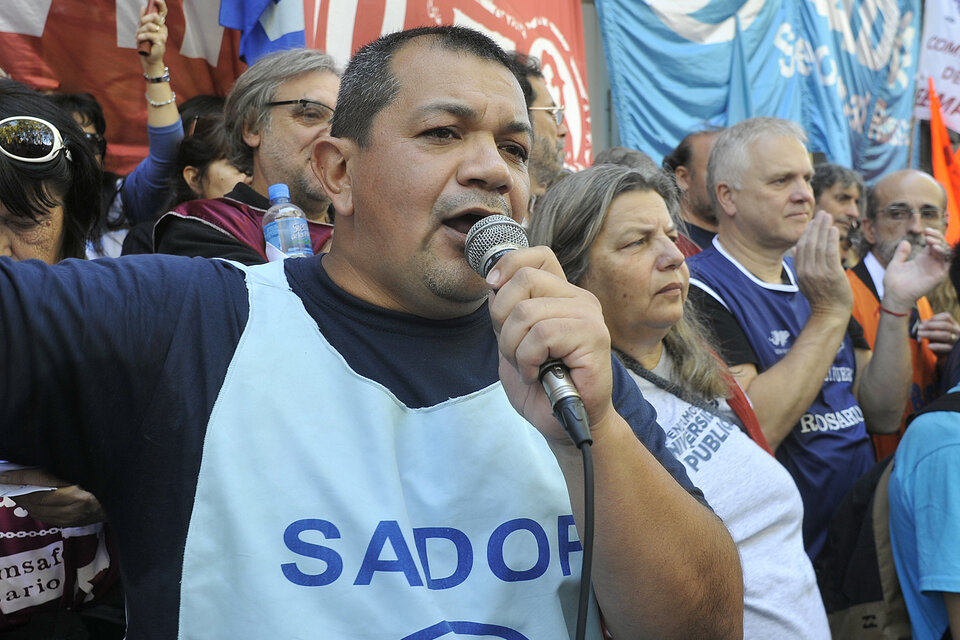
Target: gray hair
column 246, row 107
column 730, row 154
column 626, row 157
column 569, row 217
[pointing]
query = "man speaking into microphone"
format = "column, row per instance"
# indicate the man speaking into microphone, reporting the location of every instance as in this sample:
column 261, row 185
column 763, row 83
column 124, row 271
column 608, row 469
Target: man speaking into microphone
column 358, row 445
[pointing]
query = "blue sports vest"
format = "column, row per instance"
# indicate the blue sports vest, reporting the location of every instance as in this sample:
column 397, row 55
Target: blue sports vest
column 828, row 449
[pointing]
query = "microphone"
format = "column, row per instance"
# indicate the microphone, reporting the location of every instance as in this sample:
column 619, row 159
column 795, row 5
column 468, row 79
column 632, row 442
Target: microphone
column 487, row 241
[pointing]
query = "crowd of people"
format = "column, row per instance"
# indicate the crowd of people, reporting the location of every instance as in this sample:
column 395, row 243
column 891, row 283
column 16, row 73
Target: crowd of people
column 358, row 444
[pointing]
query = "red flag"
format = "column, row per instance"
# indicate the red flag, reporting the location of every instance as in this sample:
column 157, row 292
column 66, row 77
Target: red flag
column 946, row 169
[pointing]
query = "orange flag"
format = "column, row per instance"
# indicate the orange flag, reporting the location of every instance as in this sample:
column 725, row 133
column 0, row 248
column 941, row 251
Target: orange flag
column 946, row 165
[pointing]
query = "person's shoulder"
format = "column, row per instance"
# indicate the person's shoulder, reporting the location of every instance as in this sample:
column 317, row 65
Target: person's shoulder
column 707, row 254
column 197, row 231
column 158, row 271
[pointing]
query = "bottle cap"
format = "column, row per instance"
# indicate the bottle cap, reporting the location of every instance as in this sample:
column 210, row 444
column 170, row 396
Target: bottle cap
column 277, row 191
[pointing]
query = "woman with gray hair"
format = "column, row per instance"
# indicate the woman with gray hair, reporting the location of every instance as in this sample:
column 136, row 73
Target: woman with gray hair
column 614, row 230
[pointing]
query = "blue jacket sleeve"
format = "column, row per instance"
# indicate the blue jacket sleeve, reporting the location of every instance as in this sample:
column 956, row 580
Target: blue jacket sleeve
column 90, row 351
column 146, row 188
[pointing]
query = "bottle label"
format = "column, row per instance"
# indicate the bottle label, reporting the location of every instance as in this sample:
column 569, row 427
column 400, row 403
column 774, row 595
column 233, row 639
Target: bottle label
column 287, row 238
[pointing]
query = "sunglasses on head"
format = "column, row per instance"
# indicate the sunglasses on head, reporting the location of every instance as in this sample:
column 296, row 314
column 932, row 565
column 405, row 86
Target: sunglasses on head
column 30, row 139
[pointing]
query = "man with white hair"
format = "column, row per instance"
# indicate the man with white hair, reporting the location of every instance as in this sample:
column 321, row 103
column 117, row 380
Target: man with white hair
column 784, row 323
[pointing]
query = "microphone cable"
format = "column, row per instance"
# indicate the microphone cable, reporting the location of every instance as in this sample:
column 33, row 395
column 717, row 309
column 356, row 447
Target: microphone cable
column 487, row 241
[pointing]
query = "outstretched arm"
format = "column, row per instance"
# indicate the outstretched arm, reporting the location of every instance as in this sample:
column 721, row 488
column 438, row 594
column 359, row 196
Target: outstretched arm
column 664, row 566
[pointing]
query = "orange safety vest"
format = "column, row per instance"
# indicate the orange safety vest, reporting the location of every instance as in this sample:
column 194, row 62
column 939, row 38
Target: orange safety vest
column 866, row 311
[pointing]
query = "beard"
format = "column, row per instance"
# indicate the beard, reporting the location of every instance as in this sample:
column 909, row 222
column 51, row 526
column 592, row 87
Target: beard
column 306, row 191
column 886, row 248
column 546, row 160
column 701, row 206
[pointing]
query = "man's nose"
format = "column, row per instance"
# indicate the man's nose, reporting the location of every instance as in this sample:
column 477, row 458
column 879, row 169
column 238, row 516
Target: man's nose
column 915, row 223
column 484, row 165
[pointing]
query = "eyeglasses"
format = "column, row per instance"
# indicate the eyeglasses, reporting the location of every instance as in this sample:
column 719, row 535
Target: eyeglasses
column 98, row 141
column 30, row 139
column 311, row 112
column 556, row 112
column 900, row 211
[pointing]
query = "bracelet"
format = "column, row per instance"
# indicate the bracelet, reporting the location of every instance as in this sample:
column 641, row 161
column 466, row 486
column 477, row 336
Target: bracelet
column 893, row 313
column 163, row 77
column 173, row 96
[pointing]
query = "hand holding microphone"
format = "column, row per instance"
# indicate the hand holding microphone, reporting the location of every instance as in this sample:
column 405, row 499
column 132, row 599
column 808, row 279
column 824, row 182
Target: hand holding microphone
column 487, row 242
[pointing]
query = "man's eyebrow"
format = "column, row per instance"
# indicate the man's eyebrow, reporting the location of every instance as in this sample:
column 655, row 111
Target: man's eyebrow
column 519, row 126
column 460, row 110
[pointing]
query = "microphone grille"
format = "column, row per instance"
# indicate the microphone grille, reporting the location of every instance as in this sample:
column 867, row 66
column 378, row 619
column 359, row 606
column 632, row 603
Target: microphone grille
column 489, row 236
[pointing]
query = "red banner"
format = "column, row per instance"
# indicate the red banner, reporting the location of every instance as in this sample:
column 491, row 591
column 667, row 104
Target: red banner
column 88, row 45
column 551, row 30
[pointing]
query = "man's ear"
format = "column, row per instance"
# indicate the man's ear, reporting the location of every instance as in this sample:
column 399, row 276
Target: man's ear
column 725, row 196
column 191, row 175
column 868, row 230
column 251, row 137
column 331, row 160
column 682, row 175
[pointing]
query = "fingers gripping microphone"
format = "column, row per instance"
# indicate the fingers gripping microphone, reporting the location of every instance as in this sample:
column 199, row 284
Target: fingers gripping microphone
column 487, row 241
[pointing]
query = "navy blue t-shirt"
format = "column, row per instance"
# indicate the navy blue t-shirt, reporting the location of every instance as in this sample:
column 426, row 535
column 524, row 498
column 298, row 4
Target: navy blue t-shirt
column 112, row 369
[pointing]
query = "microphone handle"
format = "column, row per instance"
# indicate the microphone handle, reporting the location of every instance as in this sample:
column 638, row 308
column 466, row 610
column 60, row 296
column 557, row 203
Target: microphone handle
column 567, row 404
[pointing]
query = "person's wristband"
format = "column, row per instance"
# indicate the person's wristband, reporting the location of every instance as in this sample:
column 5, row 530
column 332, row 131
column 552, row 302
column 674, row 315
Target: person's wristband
column 893, row 313
column 173, row 97
column 164, row 77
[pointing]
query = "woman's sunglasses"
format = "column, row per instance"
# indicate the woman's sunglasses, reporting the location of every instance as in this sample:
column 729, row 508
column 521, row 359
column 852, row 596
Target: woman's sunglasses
column 97, row 141
column 30, row 139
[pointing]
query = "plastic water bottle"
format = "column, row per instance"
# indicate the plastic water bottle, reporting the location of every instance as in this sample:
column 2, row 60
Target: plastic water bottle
column 285, row 227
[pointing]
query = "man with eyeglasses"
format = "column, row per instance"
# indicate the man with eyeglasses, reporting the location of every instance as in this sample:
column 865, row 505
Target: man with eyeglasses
column 275, row 113
column 547, row 118
column 903, row 206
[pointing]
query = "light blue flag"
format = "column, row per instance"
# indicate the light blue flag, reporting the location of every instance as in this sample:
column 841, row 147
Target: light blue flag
column 842, row 70
column 670, row 70
column 739, row 102
column 265, row 25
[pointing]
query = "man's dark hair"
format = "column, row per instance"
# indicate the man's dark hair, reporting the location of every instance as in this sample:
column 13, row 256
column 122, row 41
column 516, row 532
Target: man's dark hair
column 826, row 174
column 525, row 66
column 368, row 85
column 683, row 153
column 84, row 105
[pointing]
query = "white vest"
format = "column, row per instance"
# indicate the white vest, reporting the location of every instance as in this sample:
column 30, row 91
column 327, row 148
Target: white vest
column 325, row 508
